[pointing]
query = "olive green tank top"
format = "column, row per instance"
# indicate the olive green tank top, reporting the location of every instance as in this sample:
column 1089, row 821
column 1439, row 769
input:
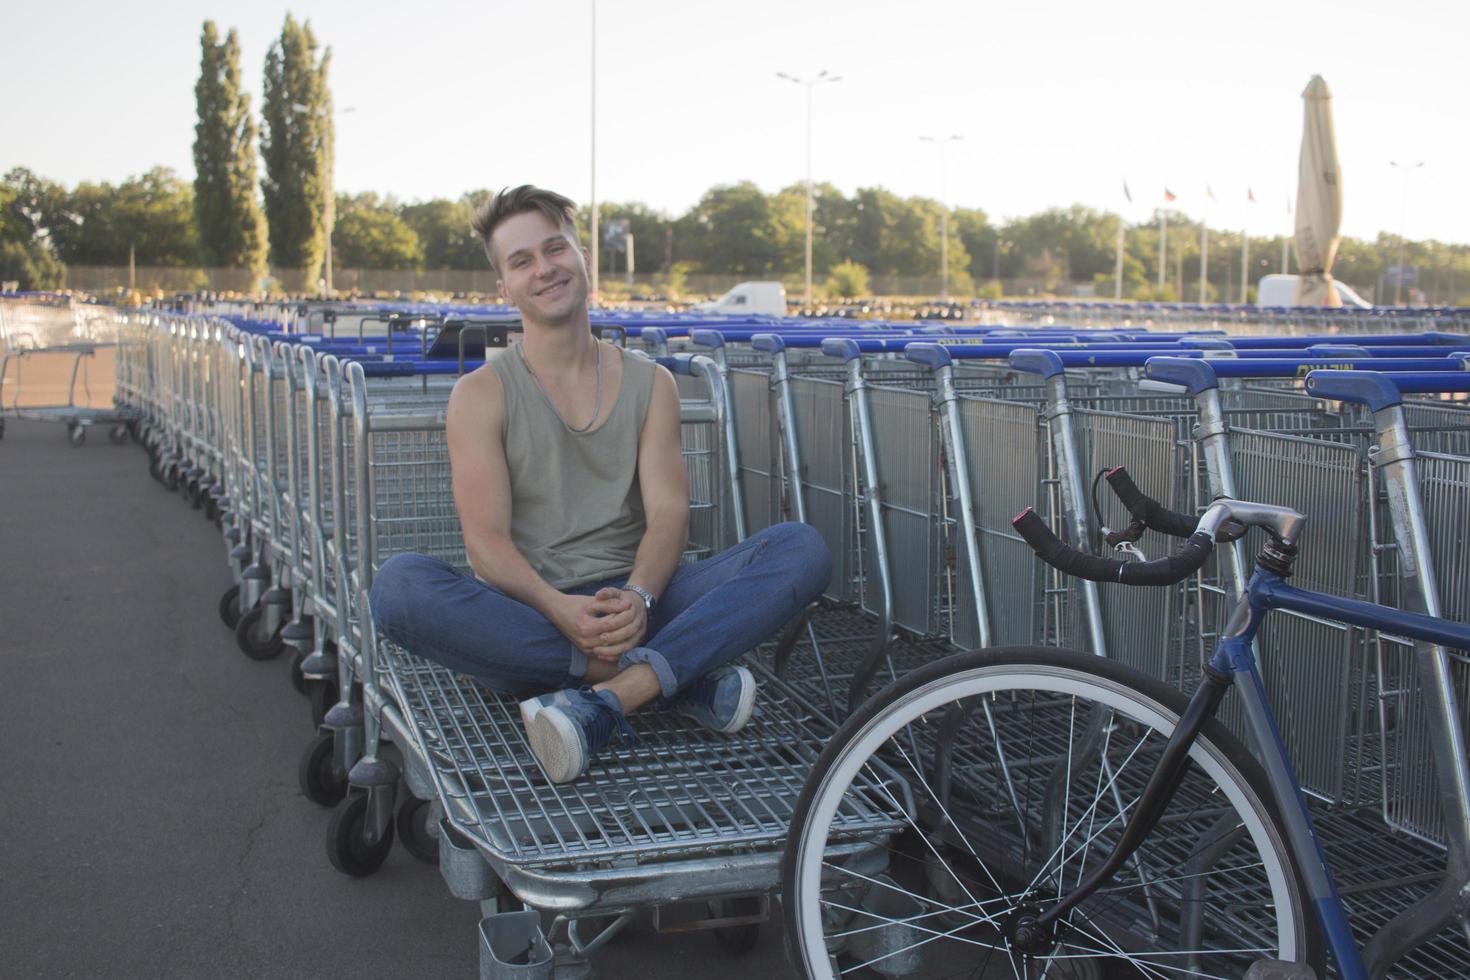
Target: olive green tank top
column 576, row 510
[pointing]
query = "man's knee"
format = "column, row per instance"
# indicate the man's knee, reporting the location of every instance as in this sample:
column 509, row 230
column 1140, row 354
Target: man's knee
column 810, row 559
column 399, row 586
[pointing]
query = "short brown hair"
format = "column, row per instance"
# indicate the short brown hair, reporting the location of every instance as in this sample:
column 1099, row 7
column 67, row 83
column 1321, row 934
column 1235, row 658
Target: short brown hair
column 559, row 210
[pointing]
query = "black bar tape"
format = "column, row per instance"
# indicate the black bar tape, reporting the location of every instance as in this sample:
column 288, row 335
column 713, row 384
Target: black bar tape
column 1057, row 554
column 1173, row 568
column 1161, row 571
column 1152, row 513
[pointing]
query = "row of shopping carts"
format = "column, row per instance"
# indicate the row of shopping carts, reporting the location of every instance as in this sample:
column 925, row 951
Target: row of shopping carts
column 48, row 345
column 316, row 440
column 1238, row 318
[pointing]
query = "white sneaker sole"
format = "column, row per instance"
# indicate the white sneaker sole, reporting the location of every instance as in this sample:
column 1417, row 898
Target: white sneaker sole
column 557, row 745
column 746, row 708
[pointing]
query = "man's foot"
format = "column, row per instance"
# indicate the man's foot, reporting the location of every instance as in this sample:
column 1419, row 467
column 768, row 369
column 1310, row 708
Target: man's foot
column 567, row 728
column 532, row 706
column 722, row 700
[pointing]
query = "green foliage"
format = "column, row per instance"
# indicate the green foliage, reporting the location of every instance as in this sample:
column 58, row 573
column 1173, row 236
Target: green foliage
column 444, row 233
column 95, row 224
column 673, row 281
column 371, row 235
column 652, row 231
column 296, row 147
column 847, row 280
column 231, row 226
column 991, row 290
column 730, row 230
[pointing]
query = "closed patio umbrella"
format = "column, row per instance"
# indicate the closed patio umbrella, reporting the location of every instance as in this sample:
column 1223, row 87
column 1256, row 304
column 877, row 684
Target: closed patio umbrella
column 1318, row 200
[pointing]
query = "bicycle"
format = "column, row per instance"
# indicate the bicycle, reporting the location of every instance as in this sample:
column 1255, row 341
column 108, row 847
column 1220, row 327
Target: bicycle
column 1056, row 812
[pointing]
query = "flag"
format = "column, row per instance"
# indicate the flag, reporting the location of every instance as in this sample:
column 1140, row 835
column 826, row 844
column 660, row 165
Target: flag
column 1209, row 192
column 1169, row 195
column 1127, row 193
column 1250, row 195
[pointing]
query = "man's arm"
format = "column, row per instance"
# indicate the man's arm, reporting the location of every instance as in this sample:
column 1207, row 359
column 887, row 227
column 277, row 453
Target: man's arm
column 664, row 483
column 474, row 428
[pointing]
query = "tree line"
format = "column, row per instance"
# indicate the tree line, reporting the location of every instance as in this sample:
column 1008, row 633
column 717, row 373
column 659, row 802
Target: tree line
column 264, row 198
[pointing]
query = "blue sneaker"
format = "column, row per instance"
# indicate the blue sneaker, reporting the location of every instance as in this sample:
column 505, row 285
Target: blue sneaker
column 722, row 700
column 567, row 728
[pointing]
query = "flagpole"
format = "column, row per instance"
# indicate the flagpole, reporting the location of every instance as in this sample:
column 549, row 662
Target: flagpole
column 1163, row 248
column 1245, row 272
column 1204, row 256
column 1285, row 242
column 1118, row 266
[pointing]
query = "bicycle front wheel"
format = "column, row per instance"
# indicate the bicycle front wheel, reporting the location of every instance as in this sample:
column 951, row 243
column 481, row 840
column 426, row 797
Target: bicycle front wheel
column 1007, row 775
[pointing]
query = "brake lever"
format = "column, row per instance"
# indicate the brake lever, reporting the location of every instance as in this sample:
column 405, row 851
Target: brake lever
column 1130, row 549
column 1129, row 535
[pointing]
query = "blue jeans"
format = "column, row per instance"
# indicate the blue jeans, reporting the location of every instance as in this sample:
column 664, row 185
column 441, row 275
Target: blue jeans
column 712, row 612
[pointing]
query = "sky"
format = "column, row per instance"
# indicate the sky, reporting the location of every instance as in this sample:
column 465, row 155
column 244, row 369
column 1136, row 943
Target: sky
column 1055, row 102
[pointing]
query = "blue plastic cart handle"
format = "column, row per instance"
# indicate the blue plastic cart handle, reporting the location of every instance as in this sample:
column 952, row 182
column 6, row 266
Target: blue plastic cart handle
column 1197, row 376
column 678, row 363
column 1043, row 362
column 930, row 355
column 411, row 369
column 1379, row 390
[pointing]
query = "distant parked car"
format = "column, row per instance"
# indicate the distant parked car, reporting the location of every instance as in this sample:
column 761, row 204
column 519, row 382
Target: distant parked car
column 1280, row 290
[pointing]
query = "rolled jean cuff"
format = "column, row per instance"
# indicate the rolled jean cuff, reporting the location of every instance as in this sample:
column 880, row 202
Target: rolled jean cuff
column 576, row 669
column 667, row 682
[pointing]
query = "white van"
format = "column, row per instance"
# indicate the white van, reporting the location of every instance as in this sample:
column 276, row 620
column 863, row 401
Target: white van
column 1280, row 290
column 762, row 298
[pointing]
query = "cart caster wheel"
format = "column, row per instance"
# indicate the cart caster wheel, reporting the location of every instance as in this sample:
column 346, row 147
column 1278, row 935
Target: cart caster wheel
column 118, row 434
column 347, row 849
column 76, row 433
column 229, row 606
column 320, row 781
column 414, row 818
column 211, row 511
column 169, row 474
column 738, row 940
column 297, row 681
column 251, row 638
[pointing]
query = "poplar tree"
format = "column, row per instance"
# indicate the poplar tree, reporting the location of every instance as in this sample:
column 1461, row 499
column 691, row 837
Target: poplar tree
column 296, row 147
column 226, row 210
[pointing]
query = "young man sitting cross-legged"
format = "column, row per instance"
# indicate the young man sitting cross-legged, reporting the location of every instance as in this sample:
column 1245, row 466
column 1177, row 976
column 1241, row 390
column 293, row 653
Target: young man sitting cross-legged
column 574, row 502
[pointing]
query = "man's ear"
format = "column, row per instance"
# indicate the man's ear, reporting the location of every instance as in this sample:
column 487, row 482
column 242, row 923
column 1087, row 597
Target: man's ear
column 500, row 289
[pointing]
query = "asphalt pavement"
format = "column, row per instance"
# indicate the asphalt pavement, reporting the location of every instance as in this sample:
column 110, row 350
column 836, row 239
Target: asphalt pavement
column 150, row 820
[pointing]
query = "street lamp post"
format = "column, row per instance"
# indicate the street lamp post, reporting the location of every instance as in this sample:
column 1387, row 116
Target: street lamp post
column 822, row 79
column 593, row 163
column 1398, row 280
column 943, row 214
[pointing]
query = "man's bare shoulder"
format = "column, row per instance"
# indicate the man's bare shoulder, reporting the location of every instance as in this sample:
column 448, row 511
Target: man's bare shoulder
column 476, row 398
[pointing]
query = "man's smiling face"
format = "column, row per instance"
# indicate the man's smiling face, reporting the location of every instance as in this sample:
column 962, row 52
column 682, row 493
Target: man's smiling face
column 542, row 269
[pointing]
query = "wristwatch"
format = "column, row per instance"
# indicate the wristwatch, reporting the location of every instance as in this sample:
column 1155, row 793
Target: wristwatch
column 648, row 600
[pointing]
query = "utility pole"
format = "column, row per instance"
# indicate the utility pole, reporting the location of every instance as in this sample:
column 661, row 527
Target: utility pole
column 822, row 79
column 943, row 214
column 596, row 239
column 1405, row 169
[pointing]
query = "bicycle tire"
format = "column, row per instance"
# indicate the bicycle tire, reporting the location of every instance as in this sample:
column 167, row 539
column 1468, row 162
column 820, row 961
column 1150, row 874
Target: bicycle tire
column 992, row 820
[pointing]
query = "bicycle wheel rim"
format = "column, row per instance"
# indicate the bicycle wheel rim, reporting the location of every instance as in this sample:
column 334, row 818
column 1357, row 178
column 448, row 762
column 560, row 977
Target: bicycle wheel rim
column 1071, row 676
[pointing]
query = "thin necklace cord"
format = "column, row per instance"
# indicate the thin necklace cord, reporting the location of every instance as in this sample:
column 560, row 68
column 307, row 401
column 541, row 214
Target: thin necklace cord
column 597, row 399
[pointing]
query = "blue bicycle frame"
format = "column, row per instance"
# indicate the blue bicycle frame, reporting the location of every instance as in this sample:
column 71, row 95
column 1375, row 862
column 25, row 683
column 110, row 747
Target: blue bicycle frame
column 1268, row 590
